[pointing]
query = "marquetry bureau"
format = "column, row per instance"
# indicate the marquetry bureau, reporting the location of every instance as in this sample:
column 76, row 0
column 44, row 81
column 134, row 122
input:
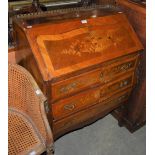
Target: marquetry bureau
column 85, row 63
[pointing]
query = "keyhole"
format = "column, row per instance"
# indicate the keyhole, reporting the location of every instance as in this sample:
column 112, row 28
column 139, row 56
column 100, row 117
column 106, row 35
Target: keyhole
column 109, row 37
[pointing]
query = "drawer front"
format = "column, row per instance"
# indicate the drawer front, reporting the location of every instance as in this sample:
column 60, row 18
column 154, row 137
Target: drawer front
column 99, row 76
column 75, row 84
column 75, row 103
column 80, row 117
column 88, row 98
column 116, row 86
column 110, row 72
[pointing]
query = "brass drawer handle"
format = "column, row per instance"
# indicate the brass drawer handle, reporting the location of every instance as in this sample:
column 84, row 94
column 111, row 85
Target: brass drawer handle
column 68, row 87
column 124, row 83
column 123, row 67
column 115, row 86
column 63, row 90
column 69, row 107
column 126, row 66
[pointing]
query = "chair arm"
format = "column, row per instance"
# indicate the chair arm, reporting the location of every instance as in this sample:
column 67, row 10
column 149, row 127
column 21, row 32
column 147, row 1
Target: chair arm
column 26, row 96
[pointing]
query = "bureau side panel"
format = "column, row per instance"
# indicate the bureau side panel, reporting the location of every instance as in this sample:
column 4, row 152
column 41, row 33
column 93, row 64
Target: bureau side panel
column 26, row 59
column 24, row 55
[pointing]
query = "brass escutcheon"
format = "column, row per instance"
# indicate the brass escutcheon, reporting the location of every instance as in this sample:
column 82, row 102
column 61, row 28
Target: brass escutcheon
column 69, row 106
column 68, row 87
column 101, row 76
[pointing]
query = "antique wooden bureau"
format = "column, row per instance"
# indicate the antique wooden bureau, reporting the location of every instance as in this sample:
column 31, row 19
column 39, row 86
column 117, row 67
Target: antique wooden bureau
column 85, row 63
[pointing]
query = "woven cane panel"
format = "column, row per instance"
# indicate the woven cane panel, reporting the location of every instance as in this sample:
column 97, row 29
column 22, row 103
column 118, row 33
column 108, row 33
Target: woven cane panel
column 22, row 96
column 12, row 146
column 23, row 135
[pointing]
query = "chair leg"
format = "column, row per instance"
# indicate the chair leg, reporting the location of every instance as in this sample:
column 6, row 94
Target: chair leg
column 50, row 150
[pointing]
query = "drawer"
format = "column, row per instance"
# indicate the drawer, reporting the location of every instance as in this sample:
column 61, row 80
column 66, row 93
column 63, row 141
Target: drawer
column 90, row 113
column 99, row 76
column 75, row 103
column 90, row 97
column 75, row 84
column 111, row 71
column 115, row 86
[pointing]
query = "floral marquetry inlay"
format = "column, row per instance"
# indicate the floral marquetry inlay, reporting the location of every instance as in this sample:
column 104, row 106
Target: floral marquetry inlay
column 96, row 42
column 90, row 44
column 83, row 44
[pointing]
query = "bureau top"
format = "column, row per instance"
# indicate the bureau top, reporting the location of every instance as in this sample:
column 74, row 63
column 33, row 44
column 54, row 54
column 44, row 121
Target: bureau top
column 67, row 46
column 38, row 18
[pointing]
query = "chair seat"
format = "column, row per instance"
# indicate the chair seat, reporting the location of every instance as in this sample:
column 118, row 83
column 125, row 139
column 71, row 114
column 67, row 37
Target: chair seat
column 24, row 138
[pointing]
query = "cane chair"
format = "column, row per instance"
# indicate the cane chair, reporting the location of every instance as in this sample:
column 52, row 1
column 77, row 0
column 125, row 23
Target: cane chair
column 29, row 131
